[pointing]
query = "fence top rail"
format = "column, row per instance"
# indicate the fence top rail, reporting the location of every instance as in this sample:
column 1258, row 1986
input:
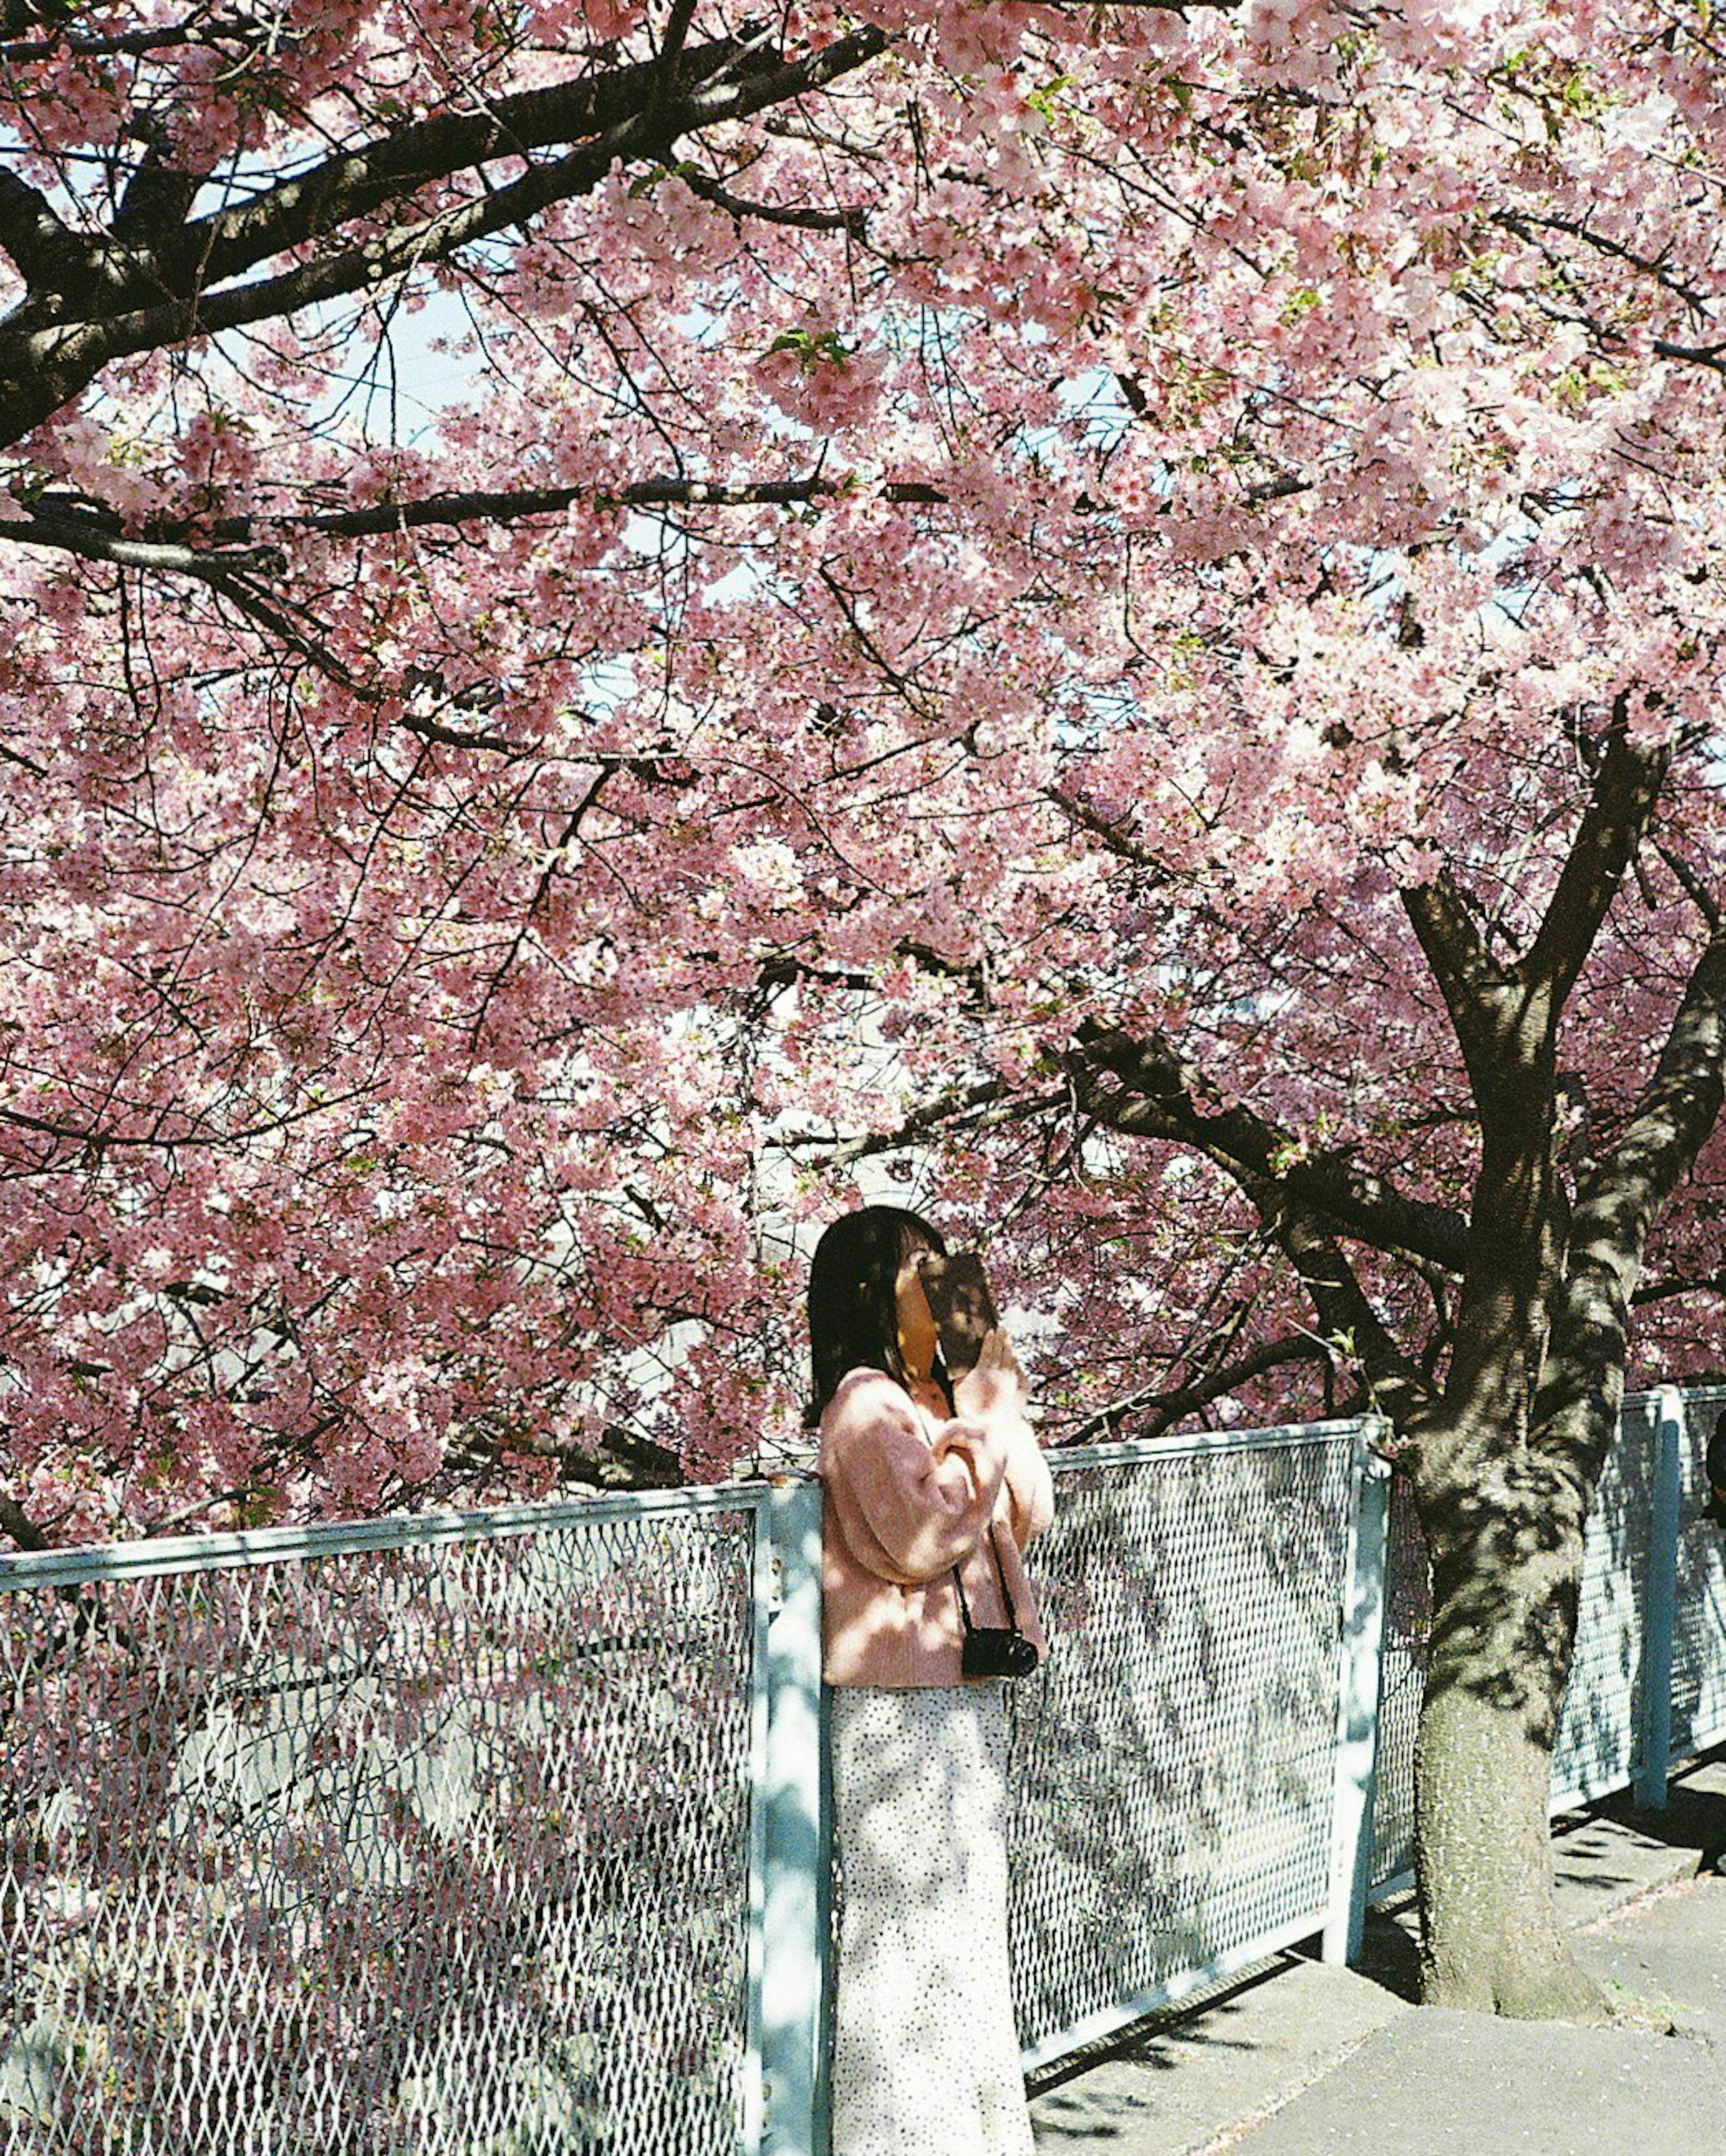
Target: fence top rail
column 284, row 1545
column 1192, row 1444
column 1178, row 1443
column 287, row 1545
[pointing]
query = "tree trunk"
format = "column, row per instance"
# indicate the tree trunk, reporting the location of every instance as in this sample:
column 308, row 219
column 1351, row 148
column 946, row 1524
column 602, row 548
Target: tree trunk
column 1505, row 1589
column 1490, row 1939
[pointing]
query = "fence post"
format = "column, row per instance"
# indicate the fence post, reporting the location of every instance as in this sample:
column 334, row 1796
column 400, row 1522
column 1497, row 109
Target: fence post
column 1360, row 1673
column 1654, row 1732
column 792, row 1939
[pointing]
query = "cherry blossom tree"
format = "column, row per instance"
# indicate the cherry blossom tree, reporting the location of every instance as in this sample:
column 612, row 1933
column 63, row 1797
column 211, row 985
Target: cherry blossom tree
column 608, row 609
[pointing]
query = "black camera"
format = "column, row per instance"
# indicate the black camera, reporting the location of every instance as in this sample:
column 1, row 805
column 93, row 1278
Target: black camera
column 991, row 1650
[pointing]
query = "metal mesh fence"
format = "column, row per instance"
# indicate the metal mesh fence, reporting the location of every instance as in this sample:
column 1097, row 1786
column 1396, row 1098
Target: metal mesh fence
column 1700, row 1625
column 456, row 1837
column 1174, row 1762
column 441, row 1847
column 1596, row 1747
column 1408, row 1620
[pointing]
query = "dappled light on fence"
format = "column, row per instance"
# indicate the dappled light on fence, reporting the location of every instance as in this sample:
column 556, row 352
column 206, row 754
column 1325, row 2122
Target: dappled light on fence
column 1172, row 1765
column 1627, row 1717
column 1699, row 1599
column 1596, row 1749
column 1408, row 1617
column 439, row 1847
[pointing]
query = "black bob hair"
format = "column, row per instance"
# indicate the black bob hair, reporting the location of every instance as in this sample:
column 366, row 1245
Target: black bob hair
column 854, row 1310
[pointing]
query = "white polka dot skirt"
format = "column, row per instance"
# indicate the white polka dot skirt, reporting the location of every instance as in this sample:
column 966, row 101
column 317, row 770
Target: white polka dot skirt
column 925, row 2055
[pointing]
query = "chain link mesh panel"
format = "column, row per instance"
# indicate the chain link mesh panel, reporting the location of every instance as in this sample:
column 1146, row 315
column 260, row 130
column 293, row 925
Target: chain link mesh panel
column 1596, row 1744
column 1699, row 1622
column 439, row 1848
column 1408, row 1624
column 1174, row 1760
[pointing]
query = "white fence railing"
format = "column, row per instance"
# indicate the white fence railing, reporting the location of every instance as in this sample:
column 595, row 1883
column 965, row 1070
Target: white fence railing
column 502, row 1834
column 429, row 1835
column 1175, row 1764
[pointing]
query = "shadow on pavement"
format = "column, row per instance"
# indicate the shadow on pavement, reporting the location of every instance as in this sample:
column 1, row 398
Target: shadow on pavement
column 1147, row 2045
column 1695, row 1815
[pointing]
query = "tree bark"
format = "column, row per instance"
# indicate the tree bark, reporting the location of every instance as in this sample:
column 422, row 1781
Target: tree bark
column 1490, row 1934
column 1507, row 1564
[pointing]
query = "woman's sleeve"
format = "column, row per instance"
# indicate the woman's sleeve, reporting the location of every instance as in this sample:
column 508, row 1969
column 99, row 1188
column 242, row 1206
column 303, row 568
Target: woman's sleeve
column 1031, row 1487
column 909, row 1510
column 996, row 1398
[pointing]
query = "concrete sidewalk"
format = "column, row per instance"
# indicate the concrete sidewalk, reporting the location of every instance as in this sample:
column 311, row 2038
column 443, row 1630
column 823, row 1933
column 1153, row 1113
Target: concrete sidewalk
column 1308, row 2060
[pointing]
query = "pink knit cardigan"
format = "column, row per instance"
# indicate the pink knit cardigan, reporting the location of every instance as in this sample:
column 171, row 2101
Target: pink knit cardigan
column 907, row 1497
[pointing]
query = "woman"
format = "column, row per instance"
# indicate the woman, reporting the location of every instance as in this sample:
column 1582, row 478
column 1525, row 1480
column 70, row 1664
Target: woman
column 934, row 1485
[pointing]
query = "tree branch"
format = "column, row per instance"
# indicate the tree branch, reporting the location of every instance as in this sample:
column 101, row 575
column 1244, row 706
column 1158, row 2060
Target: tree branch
column 1525, row 224
column 355, row 183
column 1631, row 1180
column 136, row 44
column 37, row 241
column 677, row 27
column 990, row 1100
column 1247, row 1147
column 81, row 1137
column 1627, row 785
column 1159, row 1098
column 1107, row 832
column 1710, row 356
column 1674, row 1290
column 1706, row 902
column 16, row 1523
column 1621, row 1196
column 48, row 356
column 1470, row 979
column 852, row 220
column 99, row 539
column 1153, row 1411
column 1352, row 1325
column 243, row 541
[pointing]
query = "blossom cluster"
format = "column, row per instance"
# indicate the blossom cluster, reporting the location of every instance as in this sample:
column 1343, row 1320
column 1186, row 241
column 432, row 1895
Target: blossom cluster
column 1073, row 522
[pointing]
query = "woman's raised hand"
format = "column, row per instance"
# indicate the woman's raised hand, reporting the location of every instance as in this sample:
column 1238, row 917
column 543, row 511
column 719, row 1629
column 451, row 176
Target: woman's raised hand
column 957, row 1290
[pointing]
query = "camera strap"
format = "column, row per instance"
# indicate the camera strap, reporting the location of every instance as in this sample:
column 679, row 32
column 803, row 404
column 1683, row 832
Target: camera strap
column 1006, row 1591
